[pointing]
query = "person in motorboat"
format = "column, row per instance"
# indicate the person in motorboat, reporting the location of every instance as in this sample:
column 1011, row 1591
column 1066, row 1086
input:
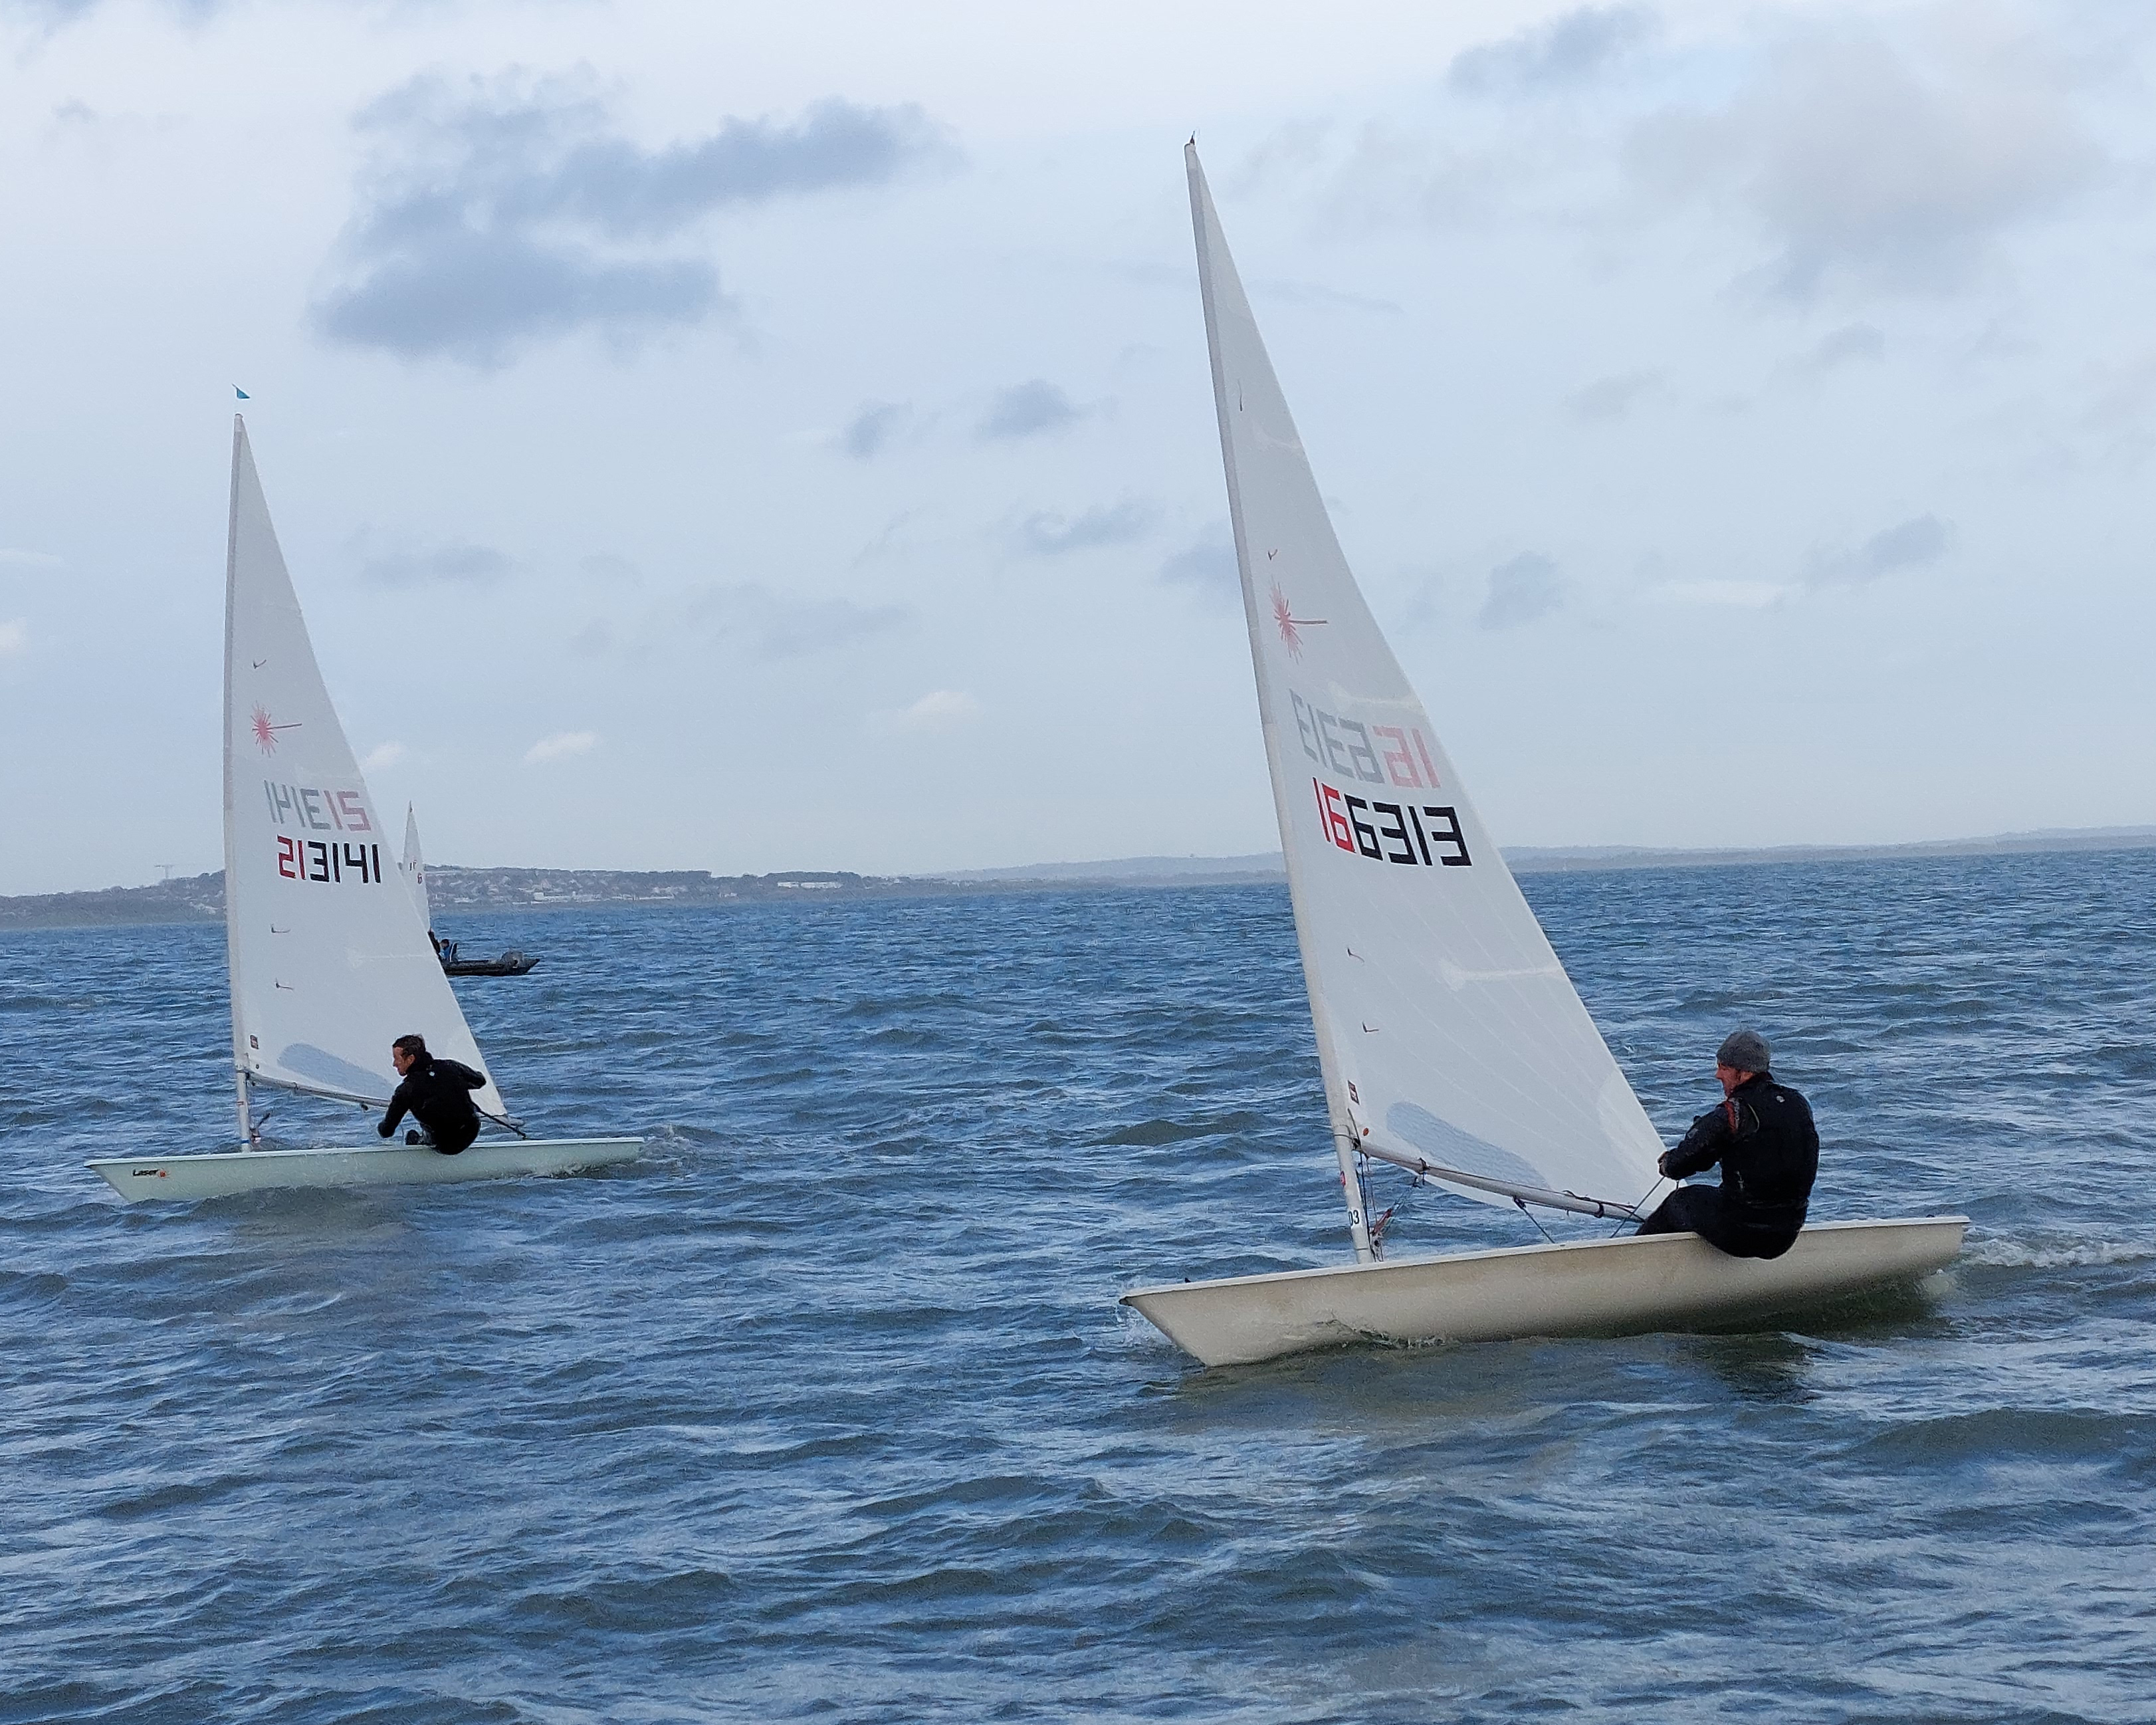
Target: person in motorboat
column 1763, row 1137
column 438, row 1092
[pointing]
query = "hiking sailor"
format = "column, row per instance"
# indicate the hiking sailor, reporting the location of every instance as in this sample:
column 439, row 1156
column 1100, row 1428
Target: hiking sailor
column 439, row 1094
column 1763, row 1137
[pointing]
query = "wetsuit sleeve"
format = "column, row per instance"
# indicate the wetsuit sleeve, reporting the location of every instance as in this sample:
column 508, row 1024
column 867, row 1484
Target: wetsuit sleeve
column 1699, row 1149
column 399, row 1101
column 462, row 1074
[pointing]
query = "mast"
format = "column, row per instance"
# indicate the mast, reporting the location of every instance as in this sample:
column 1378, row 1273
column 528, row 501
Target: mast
column 1345, row 1137
column 231, row 857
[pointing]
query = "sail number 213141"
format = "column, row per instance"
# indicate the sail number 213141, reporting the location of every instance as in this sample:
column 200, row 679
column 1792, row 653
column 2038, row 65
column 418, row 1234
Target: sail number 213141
column 328, row 860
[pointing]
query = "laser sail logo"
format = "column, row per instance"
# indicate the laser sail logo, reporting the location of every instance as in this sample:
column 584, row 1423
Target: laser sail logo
column 1290, row 625
column 265, row 730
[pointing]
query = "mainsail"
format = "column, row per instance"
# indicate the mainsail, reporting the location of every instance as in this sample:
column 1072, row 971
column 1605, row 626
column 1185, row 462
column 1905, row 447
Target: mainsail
column 328, row 950
column 415, row 868
column 1450, row 1036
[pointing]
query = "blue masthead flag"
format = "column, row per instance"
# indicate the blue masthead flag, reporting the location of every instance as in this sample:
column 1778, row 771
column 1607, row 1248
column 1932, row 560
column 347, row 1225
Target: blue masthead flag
column 241, row 393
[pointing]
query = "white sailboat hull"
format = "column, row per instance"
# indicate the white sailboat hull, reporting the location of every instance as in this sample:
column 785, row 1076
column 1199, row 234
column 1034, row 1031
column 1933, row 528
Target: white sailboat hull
column 1654, row 1281
column 182, row 1178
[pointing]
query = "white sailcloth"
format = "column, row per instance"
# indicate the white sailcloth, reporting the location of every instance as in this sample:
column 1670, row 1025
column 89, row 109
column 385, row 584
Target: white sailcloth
column 329, row 955
column 1448, row 1031
column 415, row 867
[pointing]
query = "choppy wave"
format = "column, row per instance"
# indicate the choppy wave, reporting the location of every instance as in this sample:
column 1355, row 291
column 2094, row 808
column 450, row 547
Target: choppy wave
column 825, row 1409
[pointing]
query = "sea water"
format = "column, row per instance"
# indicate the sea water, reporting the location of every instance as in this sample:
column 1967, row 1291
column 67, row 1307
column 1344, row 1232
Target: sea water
column 826, row 1411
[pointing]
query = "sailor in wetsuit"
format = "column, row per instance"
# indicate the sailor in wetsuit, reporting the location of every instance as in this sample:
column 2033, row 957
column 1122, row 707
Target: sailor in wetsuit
column 439, row 1094
column 1763, row 1137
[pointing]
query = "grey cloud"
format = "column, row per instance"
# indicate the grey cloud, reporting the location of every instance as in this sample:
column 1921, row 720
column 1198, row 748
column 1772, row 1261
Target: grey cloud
column 451, row 565
column 873, row 429
column 1858, row 163
column 1567, row 50
column 1027, row 410
column 1847, row 345
column 1909, row 545
column 1104, row 524
column 1613, row 398
column 773, row 625
column 605, row 565
column 1208, row 566
column 56, row 12
column 1322, row 298
column 891, row 541
column 1521, row 590
column 495, row 215
column 2121, row 404
column 630, row 193
column 479, row 297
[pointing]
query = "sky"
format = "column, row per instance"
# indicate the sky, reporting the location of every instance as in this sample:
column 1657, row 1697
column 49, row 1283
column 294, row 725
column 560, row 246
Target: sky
column 781, row 438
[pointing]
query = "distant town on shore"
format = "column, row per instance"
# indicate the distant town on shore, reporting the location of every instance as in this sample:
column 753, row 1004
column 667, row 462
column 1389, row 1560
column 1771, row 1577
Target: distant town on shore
column 200, row 898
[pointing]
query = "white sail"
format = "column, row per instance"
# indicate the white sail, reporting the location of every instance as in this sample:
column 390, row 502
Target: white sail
column 1449, row 1032
column 415, row 868
column 329, row 954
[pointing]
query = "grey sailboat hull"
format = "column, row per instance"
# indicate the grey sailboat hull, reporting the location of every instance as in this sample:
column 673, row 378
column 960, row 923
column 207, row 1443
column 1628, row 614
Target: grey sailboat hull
column 182, row 1178
column 1658, row 1282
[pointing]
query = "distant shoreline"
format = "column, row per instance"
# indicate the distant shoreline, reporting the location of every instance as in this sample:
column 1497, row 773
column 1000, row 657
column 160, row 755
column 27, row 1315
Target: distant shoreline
column 200, row 898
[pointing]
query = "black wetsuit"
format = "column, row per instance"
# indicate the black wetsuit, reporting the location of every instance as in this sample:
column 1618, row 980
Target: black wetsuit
column 1763, row 1137
column 439, row 1094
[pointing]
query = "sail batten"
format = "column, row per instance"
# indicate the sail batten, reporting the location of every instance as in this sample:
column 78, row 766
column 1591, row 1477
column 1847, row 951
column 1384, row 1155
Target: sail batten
column 328, row 951
column 1450, row 1039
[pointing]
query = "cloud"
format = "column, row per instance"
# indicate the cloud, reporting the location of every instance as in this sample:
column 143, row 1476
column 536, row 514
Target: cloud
column 1566, row 51
column 1614, row 398
column 1028, row 409
column 1863, row 163
column 1742, row 595
column 496, row 215
column 14, row 638
column 890, row 541
column 57, row 12
column 1910, row 545
column 937, row 713
column 383, row 757
column 1322, row 298
column 774, row 625
column 451, row 564
column 1849, row 345
column 562, row 746
column 873, row 429
column 1521, row 590
column 1050, row 536
column 2119, row 408
column 594, row 640
column 1209, row 566
column 605, row 565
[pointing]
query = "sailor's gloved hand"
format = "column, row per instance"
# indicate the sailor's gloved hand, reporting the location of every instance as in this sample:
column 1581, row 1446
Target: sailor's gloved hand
column 1662, row 1166
column 382, row 1128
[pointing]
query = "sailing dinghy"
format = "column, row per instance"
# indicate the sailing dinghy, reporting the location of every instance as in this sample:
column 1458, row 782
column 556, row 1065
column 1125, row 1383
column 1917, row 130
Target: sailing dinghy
column 326, row 943
column 1451, row 1040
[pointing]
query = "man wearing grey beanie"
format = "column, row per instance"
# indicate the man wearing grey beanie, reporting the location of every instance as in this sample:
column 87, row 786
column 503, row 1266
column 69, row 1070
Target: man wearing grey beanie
column 1763, row 1137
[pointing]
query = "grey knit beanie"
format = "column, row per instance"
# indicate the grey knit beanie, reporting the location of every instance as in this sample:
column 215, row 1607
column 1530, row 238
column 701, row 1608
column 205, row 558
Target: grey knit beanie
column 1744, row 1050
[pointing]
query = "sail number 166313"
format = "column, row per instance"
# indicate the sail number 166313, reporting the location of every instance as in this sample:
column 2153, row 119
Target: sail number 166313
column 1424, row 835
